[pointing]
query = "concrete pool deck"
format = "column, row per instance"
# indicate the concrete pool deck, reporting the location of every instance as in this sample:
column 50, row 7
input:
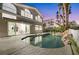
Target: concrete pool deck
column 15, row 46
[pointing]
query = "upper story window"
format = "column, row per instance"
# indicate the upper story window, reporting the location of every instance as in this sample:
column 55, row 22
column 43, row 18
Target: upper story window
column 31, row 16
column 38, row 18
column 26, row 13
column 9, row 7
column 22, row 13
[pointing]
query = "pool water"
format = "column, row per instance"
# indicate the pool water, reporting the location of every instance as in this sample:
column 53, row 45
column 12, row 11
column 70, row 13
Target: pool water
column 47, row 41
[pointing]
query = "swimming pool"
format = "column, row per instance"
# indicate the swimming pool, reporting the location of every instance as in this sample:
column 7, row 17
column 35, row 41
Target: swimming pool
column 47, row 41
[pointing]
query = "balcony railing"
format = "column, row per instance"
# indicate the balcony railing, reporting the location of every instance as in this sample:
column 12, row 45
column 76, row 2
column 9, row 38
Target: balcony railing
column 18, row 15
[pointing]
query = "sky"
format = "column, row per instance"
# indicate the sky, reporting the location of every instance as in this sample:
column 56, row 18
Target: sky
column 75, row 12
column 48, row 10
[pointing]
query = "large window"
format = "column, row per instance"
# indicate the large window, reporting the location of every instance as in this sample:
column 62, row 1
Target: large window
column 11, row 28
column 20, row 28
column 27, row 28
column 38, row 18
column 26, row 13
column 10, row 8
column 31, row 16
column 22, row 13
column 38, row 27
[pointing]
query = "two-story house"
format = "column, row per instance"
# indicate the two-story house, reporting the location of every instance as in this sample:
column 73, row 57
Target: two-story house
column 19, row 19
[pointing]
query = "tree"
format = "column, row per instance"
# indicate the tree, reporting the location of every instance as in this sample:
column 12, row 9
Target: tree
column 65, row 8
column 67, row 11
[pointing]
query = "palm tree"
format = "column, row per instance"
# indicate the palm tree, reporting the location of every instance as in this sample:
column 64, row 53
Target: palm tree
column 67, row 11
column 60, row 15
column 65, row 8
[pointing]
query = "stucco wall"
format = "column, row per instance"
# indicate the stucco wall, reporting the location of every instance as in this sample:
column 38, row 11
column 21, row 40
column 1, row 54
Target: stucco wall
column 75, row 34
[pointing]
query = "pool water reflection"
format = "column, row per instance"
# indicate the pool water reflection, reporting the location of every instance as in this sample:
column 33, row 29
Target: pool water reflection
column 46, row 41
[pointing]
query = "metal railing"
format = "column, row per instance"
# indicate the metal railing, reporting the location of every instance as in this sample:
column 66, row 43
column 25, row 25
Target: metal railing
column 18, row 14
column 8, row 8
column 15, row 11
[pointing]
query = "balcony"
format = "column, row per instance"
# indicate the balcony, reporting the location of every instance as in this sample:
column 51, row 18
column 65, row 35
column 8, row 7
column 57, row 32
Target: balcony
column 12, row 11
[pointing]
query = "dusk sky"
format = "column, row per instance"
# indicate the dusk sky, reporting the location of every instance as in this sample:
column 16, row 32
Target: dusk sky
column 48, row 10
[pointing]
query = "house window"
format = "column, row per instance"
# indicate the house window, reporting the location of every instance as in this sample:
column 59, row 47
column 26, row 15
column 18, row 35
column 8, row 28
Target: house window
column 22, row 13
column 38, row 18
column 38, row 27
column 31, row 16
column 27, row 13
column 10, row 8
